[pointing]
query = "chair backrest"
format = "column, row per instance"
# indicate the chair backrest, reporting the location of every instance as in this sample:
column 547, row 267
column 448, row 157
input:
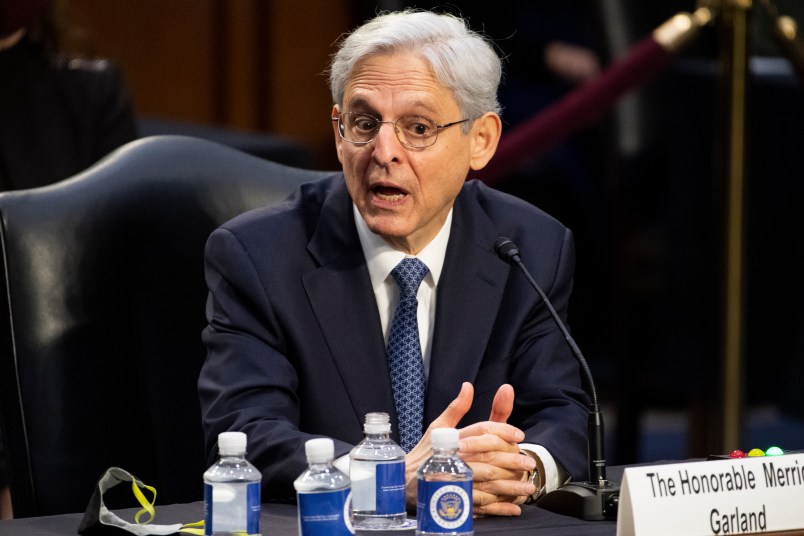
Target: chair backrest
column 101, row 314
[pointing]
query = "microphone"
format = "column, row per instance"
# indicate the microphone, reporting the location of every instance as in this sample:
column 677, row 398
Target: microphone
column 597, row 498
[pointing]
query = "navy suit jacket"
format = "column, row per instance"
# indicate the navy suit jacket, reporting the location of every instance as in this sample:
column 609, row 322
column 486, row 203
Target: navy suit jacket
column 295, row 348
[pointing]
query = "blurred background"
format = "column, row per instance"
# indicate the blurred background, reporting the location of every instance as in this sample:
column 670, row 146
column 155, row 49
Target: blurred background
column 639, row 187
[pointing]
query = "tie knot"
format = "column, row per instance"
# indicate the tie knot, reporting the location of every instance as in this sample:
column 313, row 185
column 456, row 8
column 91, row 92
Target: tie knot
column 409, row 274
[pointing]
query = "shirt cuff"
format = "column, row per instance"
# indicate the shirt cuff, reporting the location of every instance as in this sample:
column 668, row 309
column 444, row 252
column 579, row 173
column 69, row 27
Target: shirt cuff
column 554, row 475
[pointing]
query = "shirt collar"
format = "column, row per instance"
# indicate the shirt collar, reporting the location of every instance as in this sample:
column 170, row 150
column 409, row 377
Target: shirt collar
column 381, row 258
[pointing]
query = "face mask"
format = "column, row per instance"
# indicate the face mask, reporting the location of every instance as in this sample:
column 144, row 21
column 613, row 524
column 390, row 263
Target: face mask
column 100, row 521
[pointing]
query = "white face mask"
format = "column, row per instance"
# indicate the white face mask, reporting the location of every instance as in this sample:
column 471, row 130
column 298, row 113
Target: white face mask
column 100, row 521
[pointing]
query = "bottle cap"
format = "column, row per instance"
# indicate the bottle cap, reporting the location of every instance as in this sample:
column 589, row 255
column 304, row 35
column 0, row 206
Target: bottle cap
column 377, row 423
column 444, row 438
column 319, row 450
column 232, row 443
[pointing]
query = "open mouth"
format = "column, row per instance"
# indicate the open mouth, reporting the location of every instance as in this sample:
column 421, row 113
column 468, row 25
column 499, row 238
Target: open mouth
column 389, row 193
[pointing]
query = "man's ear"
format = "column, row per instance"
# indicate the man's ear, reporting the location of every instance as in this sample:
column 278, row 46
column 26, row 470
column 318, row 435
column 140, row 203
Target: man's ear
column 336, row 110
column 485, row 133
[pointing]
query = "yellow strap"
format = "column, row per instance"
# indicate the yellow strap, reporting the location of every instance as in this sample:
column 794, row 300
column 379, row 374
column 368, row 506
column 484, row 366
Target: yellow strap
column 147, row 507
column 196, row 528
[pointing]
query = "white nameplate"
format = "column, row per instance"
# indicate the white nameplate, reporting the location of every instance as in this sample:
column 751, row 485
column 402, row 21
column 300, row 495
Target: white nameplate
column 736, row 496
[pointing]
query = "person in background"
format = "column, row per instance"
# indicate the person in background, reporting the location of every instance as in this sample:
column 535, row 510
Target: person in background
column 58, row 114
column 304, row 336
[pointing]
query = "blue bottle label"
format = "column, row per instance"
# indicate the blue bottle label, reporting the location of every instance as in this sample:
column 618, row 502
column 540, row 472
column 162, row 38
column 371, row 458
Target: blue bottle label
column 251, row 511
column 207, row 509
column 444, row 507
column 325, row 513
column 390, row 482
column 253, row 508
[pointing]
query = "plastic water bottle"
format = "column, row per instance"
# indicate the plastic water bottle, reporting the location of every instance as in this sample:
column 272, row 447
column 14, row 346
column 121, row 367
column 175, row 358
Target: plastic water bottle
column 377, row 471
column 324, row 493
column 444, row 501
column 232, row 490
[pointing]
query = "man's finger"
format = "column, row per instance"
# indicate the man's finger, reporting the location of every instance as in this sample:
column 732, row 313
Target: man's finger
column 490, row 504
column 506, row 432
column 505, row 489
column 499, row 509
column 503, row 460
column 484, row 473
column 456, row 409
column 506, row 509
column 503, row 404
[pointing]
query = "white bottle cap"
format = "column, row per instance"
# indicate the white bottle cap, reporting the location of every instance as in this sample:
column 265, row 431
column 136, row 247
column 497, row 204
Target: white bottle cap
column 444, row 438
column 319, row 450
column 232, row 443
column 377, row 423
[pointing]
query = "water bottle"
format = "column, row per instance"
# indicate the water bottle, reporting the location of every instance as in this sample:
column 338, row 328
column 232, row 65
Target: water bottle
column 232, row 490
column 324, row 493
column 444, row 500
column 377, row 472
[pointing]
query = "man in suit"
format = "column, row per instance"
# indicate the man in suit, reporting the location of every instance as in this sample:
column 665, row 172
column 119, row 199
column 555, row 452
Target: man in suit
column 302, row 338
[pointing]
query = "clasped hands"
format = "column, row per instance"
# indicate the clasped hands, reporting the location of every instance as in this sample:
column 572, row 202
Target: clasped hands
column 490, row 448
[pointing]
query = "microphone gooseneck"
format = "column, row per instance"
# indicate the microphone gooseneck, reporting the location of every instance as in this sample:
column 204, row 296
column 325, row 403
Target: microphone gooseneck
column 508, row 251
column 595, row 499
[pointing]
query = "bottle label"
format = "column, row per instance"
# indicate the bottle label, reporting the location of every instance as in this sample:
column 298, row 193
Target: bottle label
column 253, row 505
column 325, row 513
column 444, row 507
column 390, row 482
column 232, row 507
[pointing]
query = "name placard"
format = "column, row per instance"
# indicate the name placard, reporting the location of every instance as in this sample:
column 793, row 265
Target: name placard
column 736, row 496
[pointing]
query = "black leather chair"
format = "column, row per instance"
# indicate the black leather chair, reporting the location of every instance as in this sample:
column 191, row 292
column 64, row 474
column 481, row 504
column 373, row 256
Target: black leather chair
column 101, row 313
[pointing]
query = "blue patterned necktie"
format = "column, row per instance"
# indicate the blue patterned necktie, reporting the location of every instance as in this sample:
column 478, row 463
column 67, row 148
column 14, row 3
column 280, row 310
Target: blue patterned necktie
column 405, row 353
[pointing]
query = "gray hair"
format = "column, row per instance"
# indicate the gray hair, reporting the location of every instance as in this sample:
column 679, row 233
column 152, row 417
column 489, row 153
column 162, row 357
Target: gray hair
column 463, row 60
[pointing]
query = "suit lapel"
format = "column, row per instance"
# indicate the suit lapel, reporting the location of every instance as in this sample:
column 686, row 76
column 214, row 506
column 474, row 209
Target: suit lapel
column 469, row 294
column 341, row 296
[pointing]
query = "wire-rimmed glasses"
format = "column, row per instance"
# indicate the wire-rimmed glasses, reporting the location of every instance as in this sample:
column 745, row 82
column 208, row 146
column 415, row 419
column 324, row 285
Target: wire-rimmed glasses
column 415, row 131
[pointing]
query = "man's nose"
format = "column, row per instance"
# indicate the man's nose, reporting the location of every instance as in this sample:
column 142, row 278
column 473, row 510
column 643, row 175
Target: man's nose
column 387, row 146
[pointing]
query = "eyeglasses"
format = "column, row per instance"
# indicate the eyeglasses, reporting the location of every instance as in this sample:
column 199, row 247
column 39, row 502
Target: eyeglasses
column 415, row 131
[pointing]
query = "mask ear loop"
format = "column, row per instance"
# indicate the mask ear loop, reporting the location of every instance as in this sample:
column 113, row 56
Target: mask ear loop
column 196, row 528
column 147, row 506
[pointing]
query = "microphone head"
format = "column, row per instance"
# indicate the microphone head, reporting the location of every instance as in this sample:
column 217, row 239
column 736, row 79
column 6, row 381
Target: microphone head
column 506, row 249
